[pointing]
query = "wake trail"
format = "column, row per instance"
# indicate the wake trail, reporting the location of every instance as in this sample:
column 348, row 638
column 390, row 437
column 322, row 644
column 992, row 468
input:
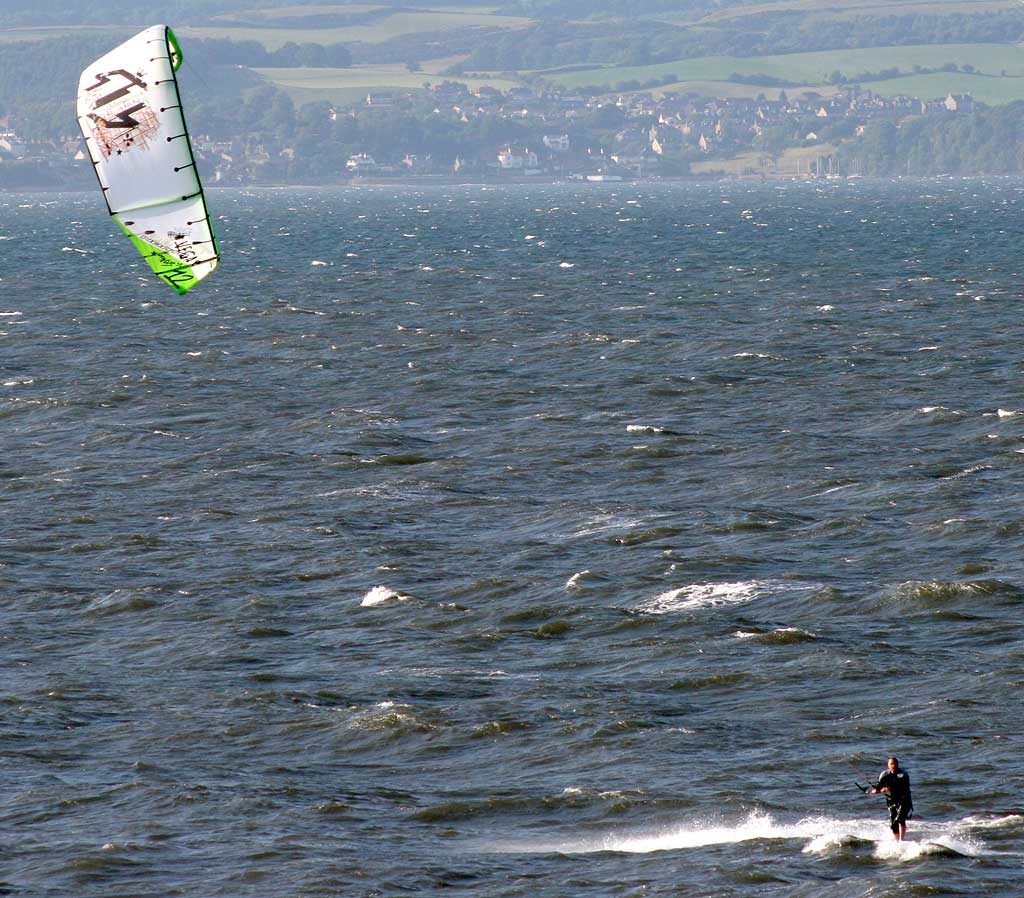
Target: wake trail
column 821, row 835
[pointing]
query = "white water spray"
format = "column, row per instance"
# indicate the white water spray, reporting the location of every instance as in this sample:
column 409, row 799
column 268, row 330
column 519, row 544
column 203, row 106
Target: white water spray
column 820, row 835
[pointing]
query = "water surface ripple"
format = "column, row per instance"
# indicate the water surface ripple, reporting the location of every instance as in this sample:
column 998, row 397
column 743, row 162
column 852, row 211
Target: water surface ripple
column 509, row 541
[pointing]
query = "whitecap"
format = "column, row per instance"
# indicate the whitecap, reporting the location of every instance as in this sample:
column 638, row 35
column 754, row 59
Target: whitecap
column 584, row 579
column 779, row 636
column 576, row 579
column 1005, row 820
column 713, row 595
column 389, row 716
column 380, row 594
column 702, row 595
column 566, row 264
column 966, row 472
column 607, row 523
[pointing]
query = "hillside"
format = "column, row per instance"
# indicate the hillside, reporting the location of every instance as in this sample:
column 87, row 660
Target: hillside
column 243, row 53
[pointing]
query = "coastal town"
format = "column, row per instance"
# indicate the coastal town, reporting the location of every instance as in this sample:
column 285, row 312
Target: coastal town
column 526, row 134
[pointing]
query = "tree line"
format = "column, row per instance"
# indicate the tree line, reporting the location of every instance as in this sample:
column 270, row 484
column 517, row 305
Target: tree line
column 552, row 45
column 989, row 141
column 19, row 13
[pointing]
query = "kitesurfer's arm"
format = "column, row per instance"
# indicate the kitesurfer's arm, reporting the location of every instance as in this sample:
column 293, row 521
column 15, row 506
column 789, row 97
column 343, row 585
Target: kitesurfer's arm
column 884, row 786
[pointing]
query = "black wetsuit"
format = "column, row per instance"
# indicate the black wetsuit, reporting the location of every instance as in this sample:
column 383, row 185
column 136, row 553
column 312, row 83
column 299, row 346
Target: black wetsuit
column 898, row 797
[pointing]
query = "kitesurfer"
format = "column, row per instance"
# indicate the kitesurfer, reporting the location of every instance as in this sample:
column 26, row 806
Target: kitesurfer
column 894, row 784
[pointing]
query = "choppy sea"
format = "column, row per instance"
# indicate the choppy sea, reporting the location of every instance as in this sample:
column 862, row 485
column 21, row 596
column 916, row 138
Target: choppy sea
column 556, row 540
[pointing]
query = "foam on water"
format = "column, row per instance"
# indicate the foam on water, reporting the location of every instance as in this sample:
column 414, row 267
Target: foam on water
column 581, row 578
column 778, row 635
column 381, row 594
column 696, row 596
column 702, row 595
column 819, row 835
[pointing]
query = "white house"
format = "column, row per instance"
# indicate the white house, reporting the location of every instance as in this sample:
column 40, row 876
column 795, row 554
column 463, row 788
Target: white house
column 512, row 158
column 11, row 145
column 558, row 143
column 361, row 164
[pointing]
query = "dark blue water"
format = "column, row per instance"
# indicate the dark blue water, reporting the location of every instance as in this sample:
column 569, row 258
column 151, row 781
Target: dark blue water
column 528, row 541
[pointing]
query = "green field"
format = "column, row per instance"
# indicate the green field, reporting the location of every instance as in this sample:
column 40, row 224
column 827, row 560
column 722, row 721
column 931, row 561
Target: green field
column 808, row 68
column 397, row 24
column 45, row 33
column 791, row 161
column 482, row 9
column 277, row 13
column 836, row 9
column 342, row 86
column 845, row 8
column 992, row 91
column 274, row 14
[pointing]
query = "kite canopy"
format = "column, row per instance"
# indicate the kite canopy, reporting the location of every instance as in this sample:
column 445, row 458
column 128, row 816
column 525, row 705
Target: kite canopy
column 129, row 110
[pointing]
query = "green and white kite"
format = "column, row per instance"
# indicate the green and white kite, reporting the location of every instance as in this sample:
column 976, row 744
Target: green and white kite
column 129, row 110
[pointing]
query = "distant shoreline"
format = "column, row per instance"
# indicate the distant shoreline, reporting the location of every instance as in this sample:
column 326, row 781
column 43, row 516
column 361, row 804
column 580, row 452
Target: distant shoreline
column 446, row 181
